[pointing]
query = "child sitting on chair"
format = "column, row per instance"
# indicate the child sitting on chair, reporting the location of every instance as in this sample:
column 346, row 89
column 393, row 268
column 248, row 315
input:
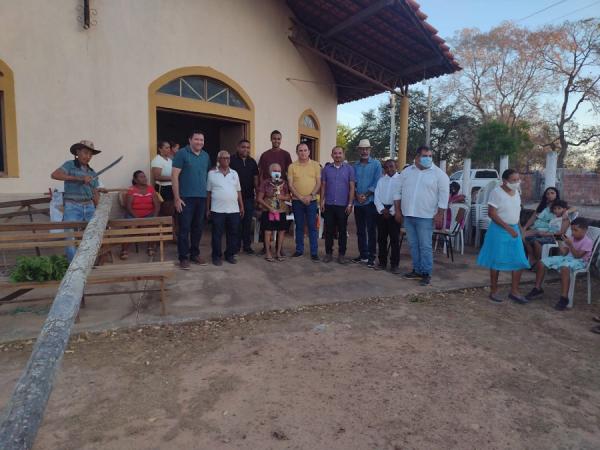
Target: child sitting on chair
column 575, row 251
column 557, row 226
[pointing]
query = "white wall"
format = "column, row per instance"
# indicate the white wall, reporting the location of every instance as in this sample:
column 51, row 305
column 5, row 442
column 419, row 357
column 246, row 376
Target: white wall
column 73, row 84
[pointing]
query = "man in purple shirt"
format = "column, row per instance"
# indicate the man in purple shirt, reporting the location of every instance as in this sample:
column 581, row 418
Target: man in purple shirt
column 337, row 197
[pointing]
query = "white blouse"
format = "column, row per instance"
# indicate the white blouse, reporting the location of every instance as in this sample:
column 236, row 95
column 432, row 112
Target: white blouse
column 508, row 206
column 166, row 166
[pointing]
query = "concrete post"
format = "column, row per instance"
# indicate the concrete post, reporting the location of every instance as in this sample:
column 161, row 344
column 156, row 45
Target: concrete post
column 25, row 409
column 466, row 181
column 443, row 165
column 503, row 164
column 550, row 172
column 403, row 138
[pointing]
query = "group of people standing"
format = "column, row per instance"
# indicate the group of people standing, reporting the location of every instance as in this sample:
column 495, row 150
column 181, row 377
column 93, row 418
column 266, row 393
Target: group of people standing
column 228, row 194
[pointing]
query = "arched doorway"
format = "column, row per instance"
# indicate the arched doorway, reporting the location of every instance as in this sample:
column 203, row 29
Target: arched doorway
column 9, row 155
column 309, row 132
column 199, row 98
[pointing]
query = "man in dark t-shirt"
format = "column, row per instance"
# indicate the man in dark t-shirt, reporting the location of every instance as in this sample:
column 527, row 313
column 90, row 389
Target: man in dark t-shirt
column 275, row 155
column 247, row 170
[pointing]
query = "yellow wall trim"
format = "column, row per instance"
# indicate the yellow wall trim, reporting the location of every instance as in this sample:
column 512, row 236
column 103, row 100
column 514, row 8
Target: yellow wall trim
column 160, row 100
column 7, row 86
column 311, row 132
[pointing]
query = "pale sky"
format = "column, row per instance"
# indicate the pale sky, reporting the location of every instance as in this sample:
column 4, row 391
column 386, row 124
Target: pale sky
column 449, row 16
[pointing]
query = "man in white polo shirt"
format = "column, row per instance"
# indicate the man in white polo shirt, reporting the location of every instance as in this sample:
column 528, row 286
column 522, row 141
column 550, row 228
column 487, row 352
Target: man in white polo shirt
column 421, row 199
column 225, row 206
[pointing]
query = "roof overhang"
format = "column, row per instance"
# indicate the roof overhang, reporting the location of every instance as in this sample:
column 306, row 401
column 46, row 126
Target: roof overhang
column 371, row 46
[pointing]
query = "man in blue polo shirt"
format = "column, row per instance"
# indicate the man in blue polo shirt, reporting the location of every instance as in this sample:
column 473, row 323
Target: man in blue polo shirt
column 367, row 172
column 189, row 175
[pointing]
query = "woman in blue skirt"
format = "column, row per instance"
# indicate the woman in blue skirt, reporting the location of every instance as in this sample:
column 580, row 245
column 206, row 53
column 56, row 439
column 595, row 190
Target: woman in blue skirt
column 503, row 247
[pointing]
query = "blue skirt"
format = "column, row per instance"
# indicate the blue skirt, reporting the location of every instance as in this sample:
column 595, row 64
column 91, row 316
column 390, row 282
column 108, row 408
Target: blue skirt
column 501, row 251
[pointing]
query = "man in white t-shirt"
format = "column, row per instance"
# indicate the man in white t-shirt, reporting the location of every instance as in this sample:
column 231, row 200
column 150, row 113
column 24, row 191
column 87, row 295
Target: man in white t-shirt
column 421, row 199
column 225, row 206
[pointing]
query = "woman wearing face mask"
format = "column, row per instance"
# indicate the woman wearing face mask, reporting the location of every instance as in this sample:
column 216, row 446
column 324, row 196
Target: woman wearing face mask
column 272, row 195
column 503, row 247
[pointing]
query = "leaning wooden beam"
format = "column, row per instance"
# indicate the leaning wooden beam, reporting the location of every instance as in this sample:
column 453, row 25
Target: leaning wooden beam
column 25, row 411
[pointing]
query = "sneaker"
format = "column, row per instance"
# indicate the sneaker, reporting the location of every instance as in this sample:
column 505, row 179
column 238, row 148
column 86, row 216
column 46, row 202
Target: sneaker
column 370, row 264
column 198, row 260
column 535, row 292
column 425, row 281
column 360, row 260
column 296, row 255
column 518, row 299
column 184, row 264
column 412, row 275
column 562, row 304
column 380, row 267
column 327, row 258
column 496, row 298
column 231, row 260
column 395, row 270
column 249, row 251
column 342, row 260
column 315, row 258
column 217, row 262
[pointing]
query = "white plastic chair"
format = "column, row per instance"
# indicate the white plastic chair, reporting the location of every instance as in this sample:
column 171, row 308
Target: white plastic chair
column 454, row 235
column 594, row 234
column 481, row 222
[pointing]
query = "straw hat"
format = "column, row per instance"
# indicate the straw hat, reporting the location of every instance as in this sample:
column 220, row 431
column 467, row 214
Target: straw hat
column 364, row 143
column 84, row 144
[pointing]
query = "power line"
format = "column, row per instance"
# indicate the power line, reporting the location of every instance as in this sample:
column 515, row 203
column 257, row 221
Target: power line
column 542, row 10
column 575, row 11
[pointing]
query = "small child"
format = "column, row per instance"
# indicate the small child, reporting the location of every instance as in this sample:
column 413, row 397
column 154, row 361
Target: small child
column 575, row 252
column 557, row 226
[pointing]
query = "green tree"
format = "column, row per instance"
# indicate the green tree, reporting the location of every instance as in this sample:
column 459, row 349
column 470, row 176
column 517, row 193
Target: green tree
column 344, row 135
column 495, row 139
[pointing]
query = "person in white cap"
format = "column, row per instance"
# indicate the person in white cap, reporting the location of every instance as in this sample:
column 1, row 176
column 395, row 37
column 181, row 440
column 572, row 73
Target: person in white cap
column 367, row 173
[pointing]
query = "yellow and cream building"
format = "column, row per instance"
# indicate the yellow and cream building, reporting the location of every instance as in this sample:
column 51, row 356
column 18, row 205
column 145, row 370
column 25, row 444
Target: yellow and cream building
column 126, row 73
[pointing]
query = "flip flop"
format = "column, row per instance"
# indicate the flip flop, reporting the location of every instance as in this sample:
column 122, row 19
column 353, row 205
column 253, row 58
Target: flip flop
column 596, row 319
column 596, row 330
column 269, row 259
column 280, row 258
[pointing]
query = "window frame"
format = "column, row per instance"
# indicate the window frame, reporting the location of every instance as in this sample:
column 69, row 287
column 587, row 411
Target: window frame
column 9, row 123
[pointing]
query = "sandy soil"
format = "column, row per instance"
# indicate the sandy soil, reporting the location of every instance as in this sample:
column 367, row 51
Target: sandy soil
column 430, row 371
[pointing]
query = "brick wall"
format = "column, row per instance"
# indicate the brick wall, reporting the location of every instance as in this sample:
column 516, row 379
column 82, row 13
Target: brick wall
column 529, row 187
column 581, row 188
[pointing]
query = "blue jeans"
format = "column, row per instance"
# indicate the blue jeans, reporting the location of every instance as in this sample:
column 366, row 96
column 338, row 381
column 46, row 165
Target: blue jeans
column 306, row 214
column 366, row 230
column 191, row 222
column 420, row 235
column 246, row 225
column 230, row 223
column 77, row 212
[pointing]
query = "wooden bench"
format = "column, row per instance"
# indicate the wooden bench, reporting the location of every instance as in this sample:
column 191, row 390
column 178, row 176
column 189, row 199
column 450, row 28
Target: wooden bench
column 18, row 237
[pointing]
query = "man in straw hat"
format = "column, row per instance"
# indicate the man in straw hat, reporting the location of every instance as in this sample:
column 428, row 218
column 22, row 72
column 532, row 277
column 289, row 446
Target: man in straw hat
column 367, row 173
column 81, row 186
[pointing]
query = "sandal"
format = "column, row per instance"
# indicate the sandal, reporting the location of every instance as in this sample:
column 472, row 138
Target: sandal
column 596, row 319
column 280, row 258
column 596, row 330
column 123, row 255
column 269, row 258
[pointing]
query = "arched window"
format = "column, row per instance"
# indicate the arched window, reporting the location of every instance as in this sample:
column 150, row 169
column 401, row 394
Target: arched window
column 309, row 132
column 204, row 89
column 9, row 162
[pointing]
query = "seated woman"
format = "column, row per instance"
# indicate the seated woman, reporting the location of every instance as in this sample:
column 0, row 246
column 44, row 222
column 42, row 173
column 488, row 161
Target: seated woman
column 557, row 226
column 141, row 201
column 272, row 195
column 455, row 197
column 537, row 226
column 574, row 255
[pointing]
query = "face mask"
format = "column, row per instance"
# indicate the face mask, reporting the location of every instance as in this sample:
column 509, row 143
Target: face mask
column 426, row 161
column 276, row 175
column 514, row 186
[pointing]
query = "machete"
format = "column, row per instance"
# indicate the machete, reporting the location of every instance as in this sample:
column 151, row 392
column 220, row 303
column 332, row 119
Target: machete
column 110, row 166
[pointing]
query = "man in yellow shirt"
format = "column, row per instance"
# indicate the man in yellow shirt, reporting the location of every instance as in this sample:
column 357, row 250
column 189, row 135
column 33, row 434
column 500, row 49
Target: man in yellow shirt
column 304, row 179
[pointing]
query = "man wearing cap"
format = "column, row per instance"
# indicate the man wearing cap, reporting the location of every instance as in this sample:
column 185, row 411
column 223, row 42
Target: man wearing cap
column 81, row 186
column 367, row 172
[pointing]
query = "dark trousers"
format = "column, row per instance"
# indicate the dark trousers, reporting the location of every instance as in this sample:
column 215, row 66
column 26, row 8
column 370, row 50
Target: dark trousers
column 246, row 224
column 366, row 230
column 230, row 224
column 335, row 219
column 388, row 228
column 191, row 222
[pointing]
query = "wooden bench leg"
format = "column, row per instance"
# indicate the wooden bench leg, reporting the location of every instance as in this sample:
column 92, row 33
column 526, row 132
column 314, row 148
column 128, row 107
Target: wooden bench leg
column 163, row 309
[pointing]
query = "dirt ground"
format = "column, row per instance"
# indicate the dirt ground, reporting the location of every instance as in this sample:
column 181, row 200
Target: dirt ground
column 446, row 370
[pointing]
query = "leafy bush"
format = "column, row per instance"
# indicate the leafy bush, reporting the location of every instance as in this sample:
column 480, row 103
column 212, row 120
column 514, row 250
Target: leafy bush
column 39, row 268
